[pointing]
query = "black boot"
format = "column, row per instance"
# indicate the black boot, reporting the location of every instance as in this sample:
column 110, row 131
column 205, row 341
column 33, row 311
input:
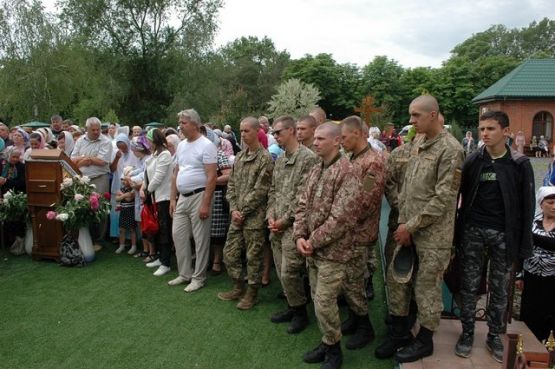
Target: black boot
column 413, row 312
column 299, row 320
column 349, row 326
column 283, row 316
column 420, row 347
column 369, row 289
column 316, row 355
column 334, row 357
column 399, row 336
column 363, row 335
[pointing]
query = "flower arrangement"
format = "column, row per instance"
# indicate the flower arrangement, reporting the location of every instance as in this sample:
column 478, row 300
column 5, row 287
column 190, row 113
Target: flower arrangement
column 81, row 205
column 13, row 207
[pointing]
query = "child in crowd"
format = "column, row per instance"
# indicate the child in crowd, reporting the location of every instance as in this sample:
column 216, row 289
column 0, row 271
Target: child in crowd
column 126, row 199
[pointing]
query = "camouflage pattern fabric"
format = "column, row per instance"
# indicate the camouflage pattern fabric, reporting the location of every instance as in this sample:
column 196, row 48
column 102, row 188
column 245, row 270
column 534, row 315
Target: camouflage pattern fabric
column 250, row 240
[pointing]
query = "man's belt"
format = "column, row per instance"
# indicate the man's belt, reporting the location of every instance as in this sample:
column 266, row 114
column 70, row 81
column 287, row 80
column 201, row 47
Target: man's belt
column 193, row 192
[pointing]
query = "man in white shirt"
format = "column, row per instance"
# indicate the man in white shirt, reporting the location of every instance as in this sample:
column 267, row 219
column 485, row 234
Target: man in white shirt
column 194, row 181
column 93, row 154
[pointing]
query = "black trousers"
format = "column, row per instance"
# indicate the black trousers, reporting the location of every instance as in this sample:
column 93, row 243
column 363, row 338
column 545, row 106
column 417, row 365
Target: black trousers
column 537, row 308
column 163, row 240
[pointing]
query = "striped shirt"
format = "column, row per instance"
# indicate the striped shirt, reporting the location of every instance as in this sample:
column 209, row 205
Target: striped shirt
column 542, row 262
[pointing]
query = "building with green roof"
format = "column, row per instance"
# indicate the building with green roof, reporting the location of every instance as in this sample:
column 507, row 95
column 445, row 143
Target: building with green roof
column 527, row 95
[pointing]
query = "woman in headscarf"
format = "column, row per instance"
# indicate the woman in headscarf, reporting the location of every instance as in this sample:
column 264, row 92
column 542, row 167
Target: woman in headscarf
column 20, row 140
column 122, row 157
column 66, row 142
column 538, row 280
column 36, row 142
column 12, row 172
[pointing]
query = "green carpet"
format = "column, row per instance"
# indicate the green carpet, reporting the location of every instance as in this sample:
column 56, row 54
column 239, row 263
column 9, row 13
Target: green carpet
column 114, row 314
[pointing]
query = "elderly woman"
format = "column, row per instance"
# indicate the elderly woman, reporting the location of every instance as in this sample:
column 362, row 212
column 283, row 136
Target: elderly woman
column 12, row 172
column 173, row 141
column 66, row 142
column 538, row 281
column 122, row 157
column 20, row 140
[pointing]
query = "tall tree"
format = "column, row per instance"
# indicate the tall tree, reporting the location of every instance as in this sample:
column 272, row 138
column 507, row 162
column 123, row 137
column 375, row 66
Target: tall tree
column 294, row 98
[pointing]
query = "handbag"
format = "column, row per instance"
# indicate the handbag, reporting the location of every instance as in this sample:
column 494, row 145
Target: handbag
column 149, row 214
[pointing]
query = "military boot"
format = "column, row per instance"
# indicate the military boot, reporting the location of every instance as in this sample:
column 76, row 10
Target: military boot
column 283, row 316
column 249, row 299
column 235, row 293
column 363, row 335
column 422, row 346
column 349, row 326
column 299, row 321
column 334, row 357
column 399, row 336
column 316, row 355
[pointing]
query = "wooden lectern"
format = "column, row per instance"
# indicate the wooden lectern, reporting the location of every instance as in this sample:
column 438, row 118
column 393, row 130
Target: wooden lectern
column 44, row 173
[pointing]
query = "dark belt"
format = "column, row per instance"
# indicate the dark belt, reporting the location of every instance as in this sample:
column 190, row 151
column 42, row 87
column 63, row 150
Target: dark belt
column 193, row 192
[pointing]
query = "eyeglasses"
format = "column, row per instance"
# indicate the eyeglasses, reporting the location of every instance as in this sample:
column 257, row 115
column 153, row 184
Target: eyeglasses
column 277, row 132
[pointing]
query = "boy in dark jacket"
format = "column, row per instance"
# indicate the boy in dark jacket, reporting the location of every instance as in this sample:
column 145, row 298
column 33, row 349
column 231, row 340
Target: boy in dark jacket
column 495, row 218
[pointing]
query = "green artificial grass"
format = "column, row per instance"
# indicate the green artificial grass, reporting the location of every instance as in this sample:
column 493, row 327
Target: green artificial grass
column 114, row 313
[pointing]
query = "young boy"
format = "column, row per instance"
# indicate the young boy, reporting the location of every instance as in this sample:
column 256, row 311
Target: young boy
column 495, row 218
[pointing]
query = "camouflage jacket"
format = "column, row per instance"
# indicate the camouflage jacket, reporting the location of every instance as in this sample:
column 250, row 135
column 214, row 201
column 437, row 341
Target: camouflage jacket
column 370, row 166
column 428, row 198
column 328, row 209
column 288, row 180
column 248, row 186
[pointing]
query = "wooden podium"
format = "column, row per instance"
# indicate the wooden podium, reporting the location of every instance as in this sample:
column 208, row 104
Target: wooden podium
column 44, row 173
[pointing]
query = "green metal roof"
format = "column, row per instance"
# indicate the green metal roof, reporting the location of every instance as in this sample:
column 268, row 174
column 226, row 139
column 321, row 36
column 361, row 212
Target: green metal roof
column 535, row 78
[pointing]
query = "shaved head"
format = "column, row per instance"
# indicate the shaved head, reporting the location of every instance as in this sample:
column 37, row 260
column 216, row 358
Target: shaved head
column 330, row 129
column 427, row 103
column 252, row 122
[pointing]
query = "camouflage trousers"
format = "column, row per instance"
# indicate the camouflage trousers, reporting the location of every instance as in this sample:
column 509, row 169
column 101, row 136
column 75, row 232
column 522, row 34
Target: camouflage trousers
column 480, row 244
column 372, row 260
column 354, row 288
column 290, row 266
column 250, row 240
column 327, row 279
column 425, row 284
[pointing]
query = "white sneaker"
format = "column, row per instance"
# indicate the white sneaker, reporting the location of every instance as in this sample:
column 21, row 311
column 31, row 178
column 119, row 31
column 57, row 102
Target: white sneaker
column 132, row 250
column 176, row 281
column 120, row 249
column 154, row 264
column 193, row 286
column 162, row 269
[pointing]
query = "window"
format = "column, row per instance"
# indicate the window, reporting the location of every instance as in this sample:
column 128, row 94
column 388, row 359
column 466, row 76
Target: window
column 542, row 125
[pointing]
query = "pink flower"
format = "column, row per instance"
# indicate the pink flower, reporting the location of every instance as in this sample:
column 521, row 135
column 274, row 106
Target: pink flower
column 95, row 204
column 95, row 194
column 107, row 195
column 51, row 215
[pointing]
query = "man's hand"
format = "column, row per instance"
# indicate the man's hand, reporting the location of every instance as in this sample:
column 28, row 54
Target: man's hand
column 402, row 235
column 519, row 283
column 203, row 212
column 237, row 217
column 172, row 208
column 275, row 226
column 304, row 247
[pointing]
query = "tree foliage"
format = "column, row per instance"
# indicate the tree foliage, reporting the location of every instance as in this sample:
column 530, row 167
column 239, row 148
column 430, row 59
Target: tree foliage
column 294, row 98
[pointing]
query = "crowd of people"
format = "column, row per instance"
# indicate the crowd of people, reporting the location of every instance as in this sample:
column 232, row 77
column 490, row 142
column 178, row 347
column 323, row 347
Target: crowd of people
column 309, row 192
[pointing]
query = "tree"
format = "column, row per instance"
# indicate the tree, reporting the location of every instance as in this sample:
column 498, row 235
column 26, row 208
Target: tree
column 294, row 98
column 339, row 84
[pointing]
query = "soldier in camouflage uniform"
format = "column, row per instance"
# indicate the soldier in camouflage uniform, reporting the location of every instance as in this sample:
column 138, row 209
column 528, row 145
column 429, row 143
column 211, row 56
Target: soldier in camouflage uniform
column 247, row 194
column 323, row 231
column 495, row 219
column 289, row 177
column 427, row 205
column 305, row 130
column 370, row 166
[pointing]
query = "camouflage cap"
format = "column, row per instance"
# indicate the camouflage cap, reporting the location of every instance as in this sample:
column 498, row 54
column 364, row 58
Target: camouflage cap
column 402, row 264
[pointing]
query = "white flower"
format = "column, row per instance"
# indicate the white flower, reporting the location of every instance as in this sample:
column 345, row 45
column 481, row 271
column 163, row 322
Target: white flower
column 66, row 183
column 92, row 185
column 6, row 200
column 8, row 194
column 84, row 180
column 78, row 197
column 62, row 216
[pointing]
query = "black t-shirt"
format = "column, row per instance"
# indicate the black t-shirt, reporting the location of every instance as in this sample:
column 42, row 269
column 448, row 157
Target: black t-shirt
column 488, row 210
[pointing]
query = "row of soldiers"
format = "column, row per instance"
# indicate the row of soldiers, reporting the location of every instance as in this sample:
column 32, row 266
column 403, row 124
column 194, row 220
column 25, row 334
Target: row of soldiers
column 323, row 208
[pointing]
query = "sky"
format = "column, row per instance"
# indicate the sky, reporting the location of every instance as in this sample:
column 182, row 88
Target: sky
column 413, row 32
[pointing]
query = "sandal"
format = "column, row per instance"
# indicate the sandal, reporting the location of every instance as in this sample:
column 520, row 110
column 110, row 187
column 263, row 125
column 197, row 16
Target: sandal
column 142, row 254
column 150, row 258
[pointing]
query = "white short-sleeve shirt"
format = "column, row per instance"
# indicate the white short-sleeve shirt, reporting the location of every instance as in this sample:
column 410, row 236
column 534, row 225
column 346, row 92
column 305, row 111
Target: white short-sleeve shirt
column 191, row 157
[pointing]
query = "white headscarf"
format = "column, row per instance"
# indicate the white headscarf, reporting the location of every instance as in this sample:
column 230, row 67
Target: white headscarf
column 69, row 143
column 542, row 193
